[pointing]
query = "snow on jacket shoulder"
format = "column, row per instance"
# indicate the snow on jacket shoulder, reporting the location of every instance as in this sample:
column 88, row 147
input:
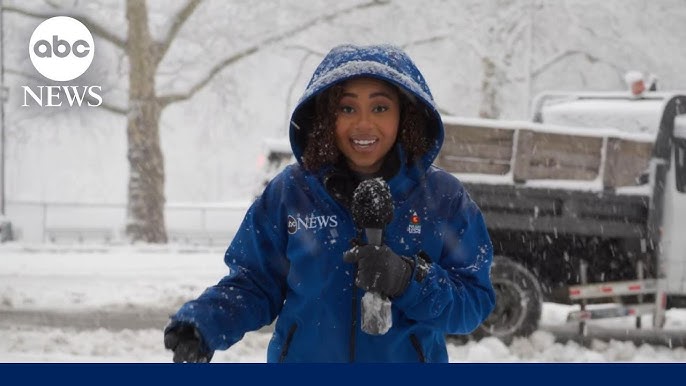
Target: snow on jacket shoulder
column 286, row 259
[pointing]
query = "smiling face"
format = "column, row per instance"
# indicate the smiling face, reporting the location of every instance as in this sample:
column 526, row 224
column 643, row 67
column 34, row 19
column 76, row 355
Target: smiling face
column 367, row 122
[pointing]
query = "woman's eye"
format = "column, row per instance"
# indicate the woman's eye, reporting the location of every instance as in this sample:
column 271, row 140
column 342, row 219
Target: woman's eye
column 346, row 109
column 380, row 109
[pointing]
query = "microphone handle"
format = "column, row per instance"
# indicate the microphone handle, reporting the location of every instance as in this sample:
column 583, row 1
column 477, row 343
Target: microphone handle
column 374, row 235
column 376, row 308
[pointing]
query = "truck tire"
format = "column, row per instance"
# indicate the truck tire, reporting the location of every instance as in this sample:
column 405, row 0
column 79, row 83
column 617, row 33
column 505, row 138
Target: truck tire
column 518, row 302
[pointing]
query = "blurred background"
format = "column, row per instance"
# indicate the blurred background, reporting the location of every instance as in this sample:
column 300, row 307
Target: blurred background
column 223, row 76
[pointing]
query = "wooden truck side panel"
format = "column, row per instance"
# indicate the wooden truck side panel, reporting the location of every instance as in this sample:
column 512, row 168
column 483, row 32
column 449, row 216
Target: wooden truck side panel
column 529, row 152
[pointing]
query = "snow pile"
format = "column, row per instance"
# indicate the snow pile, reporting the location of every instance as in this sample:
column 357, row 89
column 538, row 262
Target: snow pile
column 627, row 116
column 50, row 296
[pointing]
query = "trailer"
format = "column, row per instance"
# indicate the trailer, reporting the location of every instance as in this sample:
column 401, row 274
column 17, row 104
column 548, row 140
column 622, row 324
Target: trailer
column 585, row 204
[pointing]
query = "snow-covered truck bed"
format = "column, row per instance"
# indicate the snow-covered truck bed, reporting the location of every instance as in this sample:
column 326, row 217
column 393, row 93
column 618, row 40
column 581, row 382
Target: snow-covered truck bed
column 575, row 197
column 533, row 177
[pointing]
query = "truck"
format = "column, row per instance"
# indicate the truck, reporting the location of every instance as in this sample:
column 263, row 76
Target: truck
column 585, row 204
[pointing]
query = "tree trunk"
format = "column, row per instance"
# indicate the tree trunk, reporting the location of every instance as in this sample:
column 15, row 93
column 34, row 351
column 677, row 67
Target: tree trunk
column 145, row 210
column 489, row 107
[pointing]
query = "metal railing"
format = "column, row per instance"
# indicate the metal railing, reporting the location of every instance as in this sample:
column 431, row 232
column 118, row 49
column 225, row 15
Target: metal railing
column 78, row 222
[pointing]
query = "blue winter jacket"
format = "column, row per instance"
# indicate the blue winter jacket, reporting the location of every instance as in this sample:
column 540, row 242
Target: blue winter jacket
column 286, row 259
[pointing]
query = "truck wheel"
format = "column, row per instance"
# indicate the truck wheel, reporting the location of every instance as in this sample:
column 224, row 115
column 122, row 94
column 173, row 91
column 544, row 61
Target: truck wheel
column 518, row 302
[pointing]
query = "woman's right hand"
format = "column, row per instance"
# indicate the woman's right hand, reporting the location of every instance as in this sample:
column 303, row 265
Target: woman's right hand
column 187, row 344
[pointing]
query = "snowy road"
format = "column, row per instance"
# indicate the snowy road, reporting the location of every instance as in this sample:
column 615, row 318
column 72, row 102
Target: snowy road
column 114, row 320
column 75, row 304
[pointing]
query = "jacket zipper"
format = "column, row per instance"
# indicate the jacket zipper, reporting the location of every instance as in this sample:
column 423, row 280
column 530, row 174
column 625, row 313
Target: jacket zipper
column 417, row 347
column 287, row 344
column 353, row 324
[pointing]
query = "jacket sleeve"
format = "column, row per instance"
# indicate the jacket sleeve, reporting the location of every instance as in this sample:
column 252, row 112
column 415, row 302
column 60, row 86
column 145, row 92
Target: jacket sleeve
column 456, row 294
column 252, row 294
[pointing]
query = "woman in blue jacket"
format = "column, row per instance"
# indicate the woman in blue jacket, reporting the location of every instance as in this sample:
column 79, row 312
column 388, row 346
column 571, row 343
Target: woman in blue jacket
column 299, row 258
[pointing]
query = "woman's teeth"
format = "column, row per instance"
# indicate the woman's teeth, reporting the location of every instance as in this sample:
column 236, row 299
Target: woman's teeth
column 364, row 142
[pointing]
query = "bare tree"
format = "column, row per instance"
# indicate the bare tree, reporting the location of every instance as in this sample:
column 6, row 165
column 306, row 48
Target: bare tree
column 146, row 199
column 498, row 31
column 509, row 46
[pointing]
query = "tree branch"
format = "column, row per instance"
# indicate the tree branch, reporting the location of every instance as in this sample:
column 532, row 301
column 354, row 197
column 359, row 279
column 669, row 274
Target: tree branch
column 114, row 109
column 428, row 40
column 166, row 100
column 291, row 86
column 559, row 57
column 308, row 50
column 515, row 33
column 179, row 20
column 475, row 47
column 92, row 26
column 444, row 111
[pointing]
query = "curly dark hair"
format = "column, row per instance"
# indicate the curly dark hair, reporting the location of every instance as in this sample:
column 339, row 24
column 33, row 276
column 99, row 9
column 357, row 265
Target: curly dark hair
column 320, row 146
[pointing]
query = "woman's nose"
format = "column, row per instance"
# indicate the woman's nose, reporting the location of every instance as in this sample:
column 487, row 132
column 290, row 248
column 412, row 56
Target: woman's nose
column 365, row 121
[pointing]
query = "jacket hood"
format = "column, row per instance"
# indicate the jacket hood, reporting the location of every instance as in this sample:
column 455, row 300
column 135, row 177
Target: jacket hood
column 384, row 62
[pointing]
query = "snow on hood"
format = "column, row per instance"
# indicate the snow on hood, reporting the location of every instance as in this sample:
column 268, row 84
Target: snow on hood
column 385, row 62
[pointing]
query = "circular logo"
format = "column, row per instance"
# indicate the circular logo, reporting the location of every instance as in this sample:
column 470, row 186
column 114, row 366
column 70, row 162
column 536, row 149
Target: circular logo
column 61, row 48
column 292, row 225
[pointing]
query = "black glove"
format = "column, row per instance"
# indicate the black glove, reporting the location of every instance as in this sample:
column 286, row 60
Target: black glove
column 379, row 269
column 187, row 343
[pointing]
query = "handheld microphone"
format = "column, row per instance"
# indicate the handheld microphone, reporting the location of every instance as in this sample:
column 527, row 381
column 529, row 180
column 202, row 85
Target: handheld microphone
column 372, row 210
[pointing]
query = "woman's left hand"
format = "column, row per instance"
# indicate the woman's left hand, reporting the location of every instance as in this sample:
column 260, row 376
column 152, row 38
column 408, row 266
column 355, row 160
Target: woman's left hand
column 379, row 269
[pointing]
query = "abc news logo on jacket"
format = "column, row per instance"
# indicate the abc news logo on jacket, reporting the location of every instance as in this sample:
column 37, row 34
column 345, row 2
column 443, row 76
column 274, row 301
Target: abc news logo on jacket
column 61, row 49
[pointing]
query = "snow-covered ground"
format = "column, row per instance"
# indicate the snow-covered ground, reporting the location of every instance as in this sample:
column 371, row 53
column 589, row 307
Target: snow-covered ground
column 94, row 303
